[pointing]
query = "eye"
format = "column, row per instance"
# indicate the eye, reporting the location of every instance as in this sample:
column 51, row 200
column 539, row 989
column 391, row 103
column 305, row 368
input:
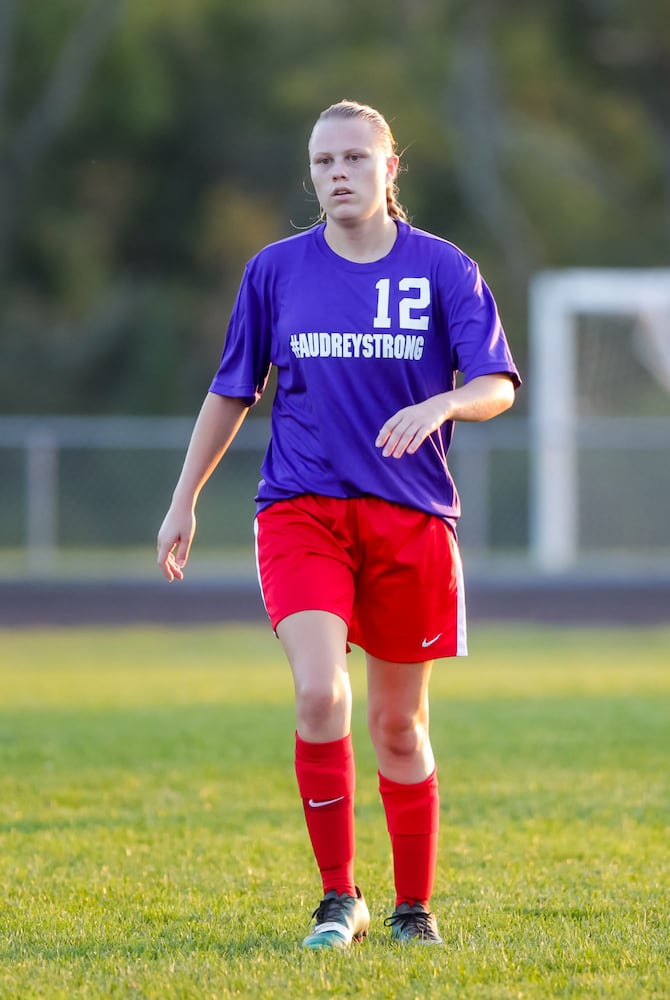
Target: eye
column 323, row 160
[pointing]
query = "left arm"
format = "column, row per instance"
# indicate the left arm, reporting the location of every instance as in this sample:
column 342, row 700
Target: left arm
column 482, row 398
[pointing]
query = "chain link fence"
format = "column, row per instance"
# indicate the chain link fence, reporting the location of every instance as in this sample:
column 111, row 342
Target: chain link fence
column 91, row 492
column 87, row 495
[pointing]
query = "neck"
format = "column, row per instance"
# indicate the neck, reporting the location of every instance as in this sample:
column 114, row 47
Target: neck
column 361, row 241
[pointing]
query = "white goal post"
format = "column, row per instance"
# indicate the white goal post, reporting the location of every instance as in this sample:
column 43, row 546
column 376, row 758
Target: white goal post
column 557, row 299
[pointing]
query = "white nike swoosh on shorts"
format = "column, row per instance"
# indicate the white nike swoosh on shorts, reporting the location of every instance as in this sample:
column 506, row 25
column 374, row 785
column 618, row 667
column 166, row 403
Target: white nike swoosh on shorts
column 430, row 642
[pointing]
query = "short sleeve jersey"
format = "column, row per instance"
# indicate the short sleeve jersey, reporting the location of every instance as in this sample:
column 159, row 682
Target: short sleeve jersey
column 352, row 344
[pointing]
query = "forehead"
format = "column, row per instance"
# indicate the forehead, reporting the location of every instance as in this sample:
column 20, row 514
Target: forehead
column 332, row 135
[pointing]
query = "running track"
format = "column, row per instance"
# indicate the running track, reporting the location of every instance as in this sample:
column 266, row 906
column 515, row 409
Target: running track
column 561, row 601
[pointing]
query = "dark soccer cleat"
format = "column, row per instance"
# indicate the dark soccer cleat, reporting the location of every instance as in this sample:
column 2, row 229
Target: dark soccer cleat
column 339, row 921
column 413, row 923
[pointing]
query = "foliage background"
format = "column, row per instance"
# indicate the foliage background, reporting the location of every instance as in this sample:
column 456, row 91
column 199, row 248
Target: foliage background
column 148, row 149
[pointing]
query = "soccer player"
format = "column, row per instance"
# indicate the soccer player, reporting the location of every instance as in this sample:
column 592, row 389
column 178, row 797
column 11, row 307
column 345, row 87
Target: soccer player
column 367, row 321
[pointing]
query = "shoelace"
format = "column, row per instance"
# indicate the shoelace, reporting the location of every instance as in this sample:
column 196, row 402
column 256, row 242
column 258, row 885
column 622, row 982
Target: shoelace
column 418, row 922
column 328, row 909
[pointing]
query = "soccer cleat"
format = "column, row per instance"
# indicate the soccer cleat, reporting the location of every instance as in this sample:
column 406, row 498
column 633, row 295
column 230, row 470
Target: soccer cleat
column 340, row 919
column 413, row 923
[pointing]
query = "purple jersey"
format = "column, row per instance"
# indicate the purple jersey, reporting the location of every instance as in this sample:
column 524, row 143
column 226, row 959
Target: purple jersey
column 352, row 344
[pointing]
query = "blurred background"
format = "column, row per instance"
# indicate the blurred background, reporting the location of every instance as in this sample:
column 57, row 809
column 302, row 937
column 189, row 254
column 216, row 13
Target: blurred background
column 148, row 149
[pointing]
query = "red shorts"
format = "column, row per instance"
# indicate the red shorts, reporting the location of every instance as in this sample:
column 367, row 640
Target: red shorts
column 393, row 574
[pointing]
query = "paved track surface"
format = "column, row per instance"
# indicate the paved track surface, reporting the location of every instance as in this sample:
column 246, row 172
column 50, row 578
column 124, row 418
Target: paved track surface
column 27, row 603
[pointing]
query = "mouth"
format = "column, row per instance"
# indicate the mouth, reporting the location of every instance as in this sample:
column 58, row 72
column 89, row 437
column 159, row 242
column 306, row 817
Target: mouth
column 341, row 192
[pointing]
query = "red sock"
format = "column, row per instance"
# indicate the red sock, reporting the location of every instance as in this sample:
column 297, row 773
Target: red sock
column 413, row 820
column 326, row 780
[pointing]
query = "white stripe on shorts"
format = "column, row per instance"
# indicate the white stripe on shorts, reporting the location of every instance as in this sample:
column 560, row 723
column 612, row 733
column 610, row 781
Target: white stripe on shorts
column 258, row 565
column 462, row 632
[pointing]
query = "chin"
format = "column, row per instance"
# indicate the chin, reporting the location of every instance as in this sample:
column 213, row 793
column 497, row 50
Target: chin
column 348, row 213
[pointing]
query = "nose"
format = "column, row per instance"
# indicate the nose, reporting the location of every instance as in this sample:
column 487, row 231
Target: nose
column 339, row 169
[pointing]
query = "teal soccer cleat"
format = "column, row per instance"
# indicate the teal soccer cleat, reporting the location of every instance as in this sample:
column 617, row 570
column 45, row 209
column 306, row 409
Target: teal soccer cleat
column 340, row 919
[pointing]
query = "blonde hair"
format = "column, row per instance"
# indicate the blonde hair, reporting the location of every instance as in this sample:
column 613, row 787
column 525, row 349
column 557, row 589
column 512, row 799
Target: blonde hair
column 363, row 112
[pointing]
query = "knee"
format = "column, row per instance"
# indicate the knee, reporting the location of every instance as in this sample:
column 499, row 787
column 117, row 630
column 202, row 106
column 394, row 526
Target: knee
column 397, row 734
column 320, row 705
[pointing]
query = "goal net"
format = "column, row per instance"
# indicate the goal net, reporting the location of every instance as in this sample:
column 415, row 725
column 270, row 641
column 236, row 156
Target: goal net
column 600, row 417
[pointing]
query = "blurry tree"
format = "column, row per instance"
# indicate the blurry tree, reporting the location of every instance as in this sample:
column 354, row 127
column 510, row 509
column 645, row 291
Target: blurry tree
column 629, row 55
column 28, row 139
column 148, row 149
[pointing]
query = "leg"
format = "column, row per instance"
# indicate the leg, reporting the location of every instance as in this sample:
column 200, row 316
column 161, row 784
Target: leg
column 398, row 718
column 315, row 644
column 398, row 722
column 304, row 563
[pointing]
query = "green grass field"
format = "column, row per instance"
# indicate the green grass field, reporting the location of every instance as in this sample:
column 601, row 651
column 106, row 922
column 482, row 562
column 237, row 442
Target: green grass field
column 152, row 840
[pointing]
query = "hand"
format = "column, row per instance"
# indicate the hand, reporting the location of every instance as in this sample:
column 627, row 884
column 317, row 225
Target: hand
column 407, row 429
column 176, row 533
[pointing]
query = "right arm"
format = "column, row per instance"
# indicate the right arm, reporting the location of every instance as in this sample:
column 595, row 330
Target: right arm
column 218, row 422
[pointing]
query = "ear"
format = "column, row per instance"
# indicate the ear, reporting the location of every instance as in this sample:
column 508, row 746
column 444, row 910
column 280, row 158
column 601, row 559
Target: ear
column 392, row 165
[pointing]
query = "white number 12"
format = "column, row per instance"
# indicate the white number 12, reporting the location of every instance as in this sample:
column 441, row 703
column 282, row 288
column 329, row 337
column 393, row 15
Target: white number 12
column 407, row 305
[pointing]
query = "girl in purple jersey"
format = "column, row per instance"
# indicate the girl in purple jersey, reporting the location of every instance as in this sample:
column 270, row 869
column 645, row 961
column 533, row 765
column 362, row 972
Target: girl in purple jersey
column 367, row 321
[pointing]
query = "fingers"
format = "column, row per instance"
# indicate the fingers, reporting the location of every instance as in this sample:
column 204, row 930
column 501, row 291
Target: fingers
column 172, row 570
column 406, row 430
column 183, row 550
column 401, row 434
column 173, row 554
column 171, row 565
